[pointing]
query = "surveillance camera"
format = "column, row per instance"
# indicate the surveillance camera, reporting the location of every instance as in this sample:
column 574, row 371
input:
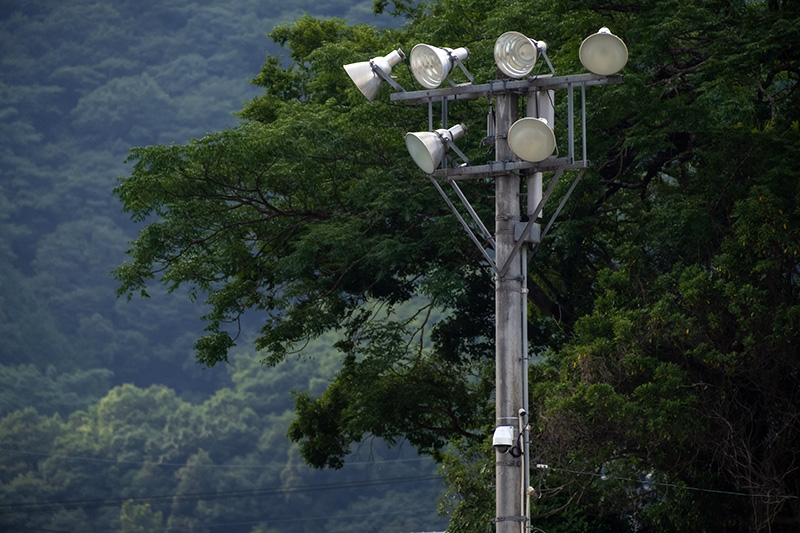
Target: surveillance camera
column 503, row 438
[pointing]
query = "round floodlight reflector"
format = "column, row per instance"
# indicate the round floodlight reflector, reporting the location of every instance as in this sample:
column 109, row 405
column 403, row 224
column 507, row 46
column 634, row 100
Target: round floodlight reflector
column 531, row 139
column 427, row 148
column 432, row 65
column 515, row 54
column 603, row 53
column 366, row 78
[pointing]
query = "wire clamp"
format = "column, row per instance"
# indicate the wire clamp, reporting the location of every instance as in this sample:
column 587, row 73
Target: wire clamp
column 510, row 519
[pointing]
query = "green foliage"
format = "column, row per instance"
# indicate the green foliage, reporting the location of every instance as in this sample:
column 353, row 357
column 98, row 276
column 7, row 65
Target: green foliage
column 469, row 473
column 83, row 81
column 664, row 302
column 140, row 459
column 139, row 518
column 687, row 345
column 51, row 391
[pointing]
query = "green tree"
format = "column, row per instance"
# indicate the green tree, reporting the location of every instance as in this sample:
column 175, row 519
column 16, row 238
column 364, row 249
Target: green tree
column 139, row 457
column 139, row 518
column 664, row 305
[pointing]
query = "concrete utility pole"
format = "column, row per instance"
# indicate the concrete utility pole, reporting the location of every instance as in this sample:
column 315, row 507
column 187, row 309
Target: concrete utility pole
column 508, row 322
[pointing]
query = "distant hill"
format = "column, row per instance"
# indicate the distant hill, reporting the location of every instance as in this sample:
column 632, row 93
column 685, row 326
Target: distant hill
column 82, row 82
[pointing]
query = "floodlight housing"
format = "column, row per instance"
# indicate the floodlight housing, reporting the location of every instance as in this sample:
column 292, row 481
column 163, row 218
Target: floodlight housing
column 603, row 53
column 367, row 78
column 427, row 148
column 532, row 139
column 432, row 65
column 515, row 54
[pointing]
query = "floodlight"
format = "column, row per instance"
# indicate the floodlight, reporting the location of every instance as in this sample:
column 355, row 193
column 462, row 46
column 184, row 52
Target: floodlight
column 368, row 75
column 532, row 139
column 431, row 65
column 427, row 148
column 603, row 53
column 515, row 54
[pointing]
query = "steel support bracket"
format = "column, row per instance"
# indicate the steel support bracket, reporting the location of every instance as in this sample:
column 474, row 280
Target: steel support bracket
column 531, row 234
column 510, row 519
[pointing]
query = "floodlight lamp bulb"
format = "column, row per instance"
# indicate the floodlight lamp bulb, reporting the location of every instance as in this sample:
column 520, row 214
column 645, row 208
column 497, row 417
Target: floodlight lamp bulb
column 515, row 54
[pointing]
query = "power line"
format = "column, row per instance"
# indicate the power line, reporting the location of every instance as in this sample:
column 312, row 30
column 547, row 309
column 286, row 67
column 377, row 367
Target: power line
column 23, row 507
column 202, row 465
column 675, row 486
column 326, row 518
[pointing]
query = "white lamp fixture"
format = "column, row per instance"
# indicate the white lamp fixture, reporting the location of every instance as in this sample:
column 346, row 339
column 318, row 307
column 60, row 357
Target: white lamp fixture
column 366, row 76
column 515, row 54
column 431, row 65
column 427, row 148
column 532, row 139
column 603, row 53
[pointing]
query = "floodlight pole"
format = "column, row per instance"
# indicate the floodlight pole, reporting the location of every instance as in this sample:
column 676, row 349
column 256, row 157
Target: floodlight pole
column 514, row 233
column 508, row 321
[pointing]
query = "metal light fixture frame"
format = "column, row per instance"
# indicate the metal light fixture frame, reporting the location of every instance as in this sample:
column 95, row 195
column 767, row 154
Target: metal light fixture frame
column 524, row 231
column 575, row 159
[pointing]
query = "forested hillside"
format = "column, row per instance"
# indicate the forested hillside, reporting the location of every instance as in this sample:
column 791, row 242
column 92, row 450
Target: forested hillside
column 82, row 82
column 664, row 304
column 102, row 404
column 312, row 267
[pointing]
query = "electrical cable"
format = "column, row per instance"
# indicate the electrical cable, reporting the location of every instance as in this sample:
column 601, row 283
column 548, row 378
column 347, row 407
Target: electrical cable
column 184, row 465
column 270, row 522
column 21, row 507
column 674, row 486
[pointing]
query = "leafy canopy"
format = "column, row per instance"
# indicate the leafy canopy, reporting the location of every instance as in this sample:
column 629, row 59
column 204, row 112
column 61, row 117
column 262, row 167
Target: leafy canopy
column 664, row 303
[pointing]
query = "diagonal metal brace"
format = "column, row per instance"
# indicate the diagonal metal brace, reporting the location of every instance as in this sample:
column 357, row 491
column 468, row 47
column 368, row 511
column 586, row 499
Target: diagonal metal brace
column 452, row 146
column 531, row 221
column 458, row 62
column 484, row 230
column 386, row 77
column 558, row 211
column 463, row 223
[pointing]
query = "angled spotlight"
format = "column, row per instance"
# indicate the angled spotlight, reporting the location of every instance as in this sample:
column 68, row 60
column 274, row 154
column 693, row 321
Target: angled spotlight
column 427, row 148
column 532, row 139
column 431, row 65
column 366, row 76
column 603, row 53
column 516, row 54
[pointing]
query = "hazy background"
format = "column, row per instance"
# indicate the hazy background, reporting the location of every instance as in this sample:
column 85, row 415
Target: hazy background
column 94, row 390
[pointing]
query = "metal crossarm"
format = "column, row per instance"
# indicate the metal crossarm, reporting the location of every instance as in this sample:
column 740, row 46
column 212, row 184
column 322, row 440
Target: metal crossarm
column 484, row 90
